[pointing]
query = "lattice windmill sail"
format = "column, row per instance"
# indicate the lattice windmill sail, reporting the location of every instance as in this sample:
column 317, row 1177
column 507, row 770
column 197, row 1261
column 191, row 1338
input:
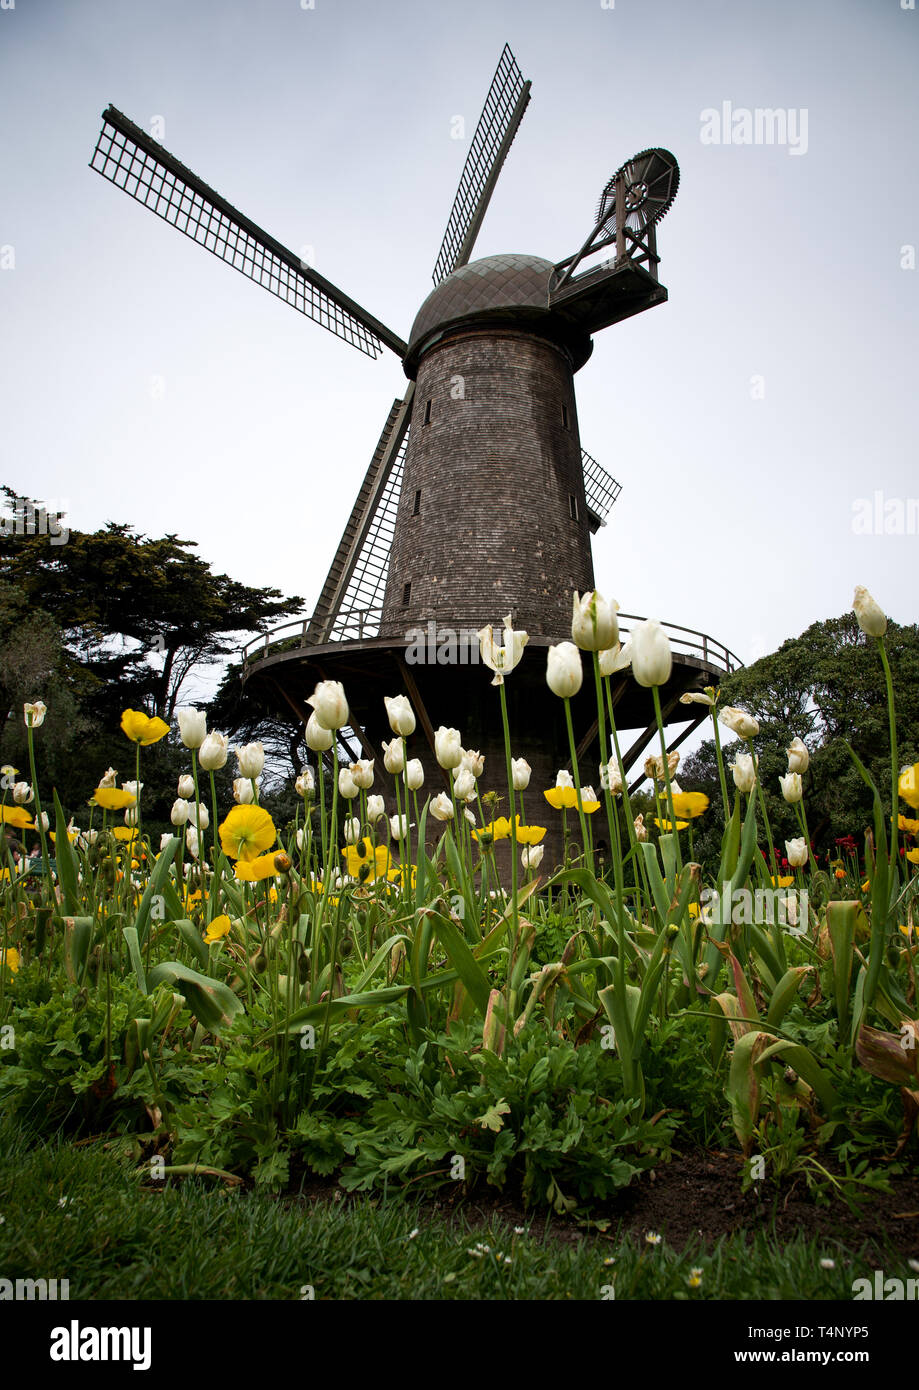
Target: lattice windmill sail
column 478, row 499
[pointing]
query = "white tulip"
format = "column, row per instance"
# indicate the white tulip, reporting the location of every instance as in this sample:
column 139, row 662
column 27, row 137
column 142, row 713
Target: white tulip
column 362, row 772
column 199, row 815
column 330, row 704
column 22, row 793
column 531, row 856
column 89, row 837
column 45, row 822
column 473, row 761
column 796, row 851
column 737, row 719
column 192, row 726
column 587, row 794
column 394, row 756
column 654, row 766
column 165, row 838
column 33, row 713
column 130, row 816
column 610, row 780
column 214, row 752
column 251, row 759
column 563, row 670
column 442, row 807
column 347, row 787
column 242, row 791
column 798, row 756
column 520, row 774
column 400, row 714
column 696, row 697
column 792, row 790
column 641, row 832
column 469, row 816
column 352, row 829
column 181, row 811
column 744, row 770
column 448, row 747
column 564, row 778
column 594, row 627
column 318, row 738
column 616, row 659
column 502, row 660
column 135, row 788
column 191, row 840
column 376, row 809
column 651, row 658
column 414, row 774
column 398, row 827
column 305, row 785
column 110, row 779
column 464, row 785
column 186, row 787
column 870, row 615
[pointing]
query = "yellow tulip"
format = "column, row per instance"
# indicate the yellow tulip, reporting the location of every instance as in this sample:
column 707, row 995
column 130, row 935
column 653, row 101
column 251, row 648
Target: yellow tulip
column 16, row 816
column 247, row 832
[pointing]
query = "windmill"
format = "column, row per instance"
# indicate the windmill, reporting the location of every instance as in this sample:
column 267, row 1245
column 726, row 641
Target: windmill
column 478, row 500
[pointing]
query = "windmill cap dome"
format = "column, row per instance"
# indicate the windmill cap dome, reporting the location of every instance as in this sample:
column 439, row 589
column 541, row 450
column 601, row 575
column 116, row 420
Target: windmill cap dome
column 496, row 287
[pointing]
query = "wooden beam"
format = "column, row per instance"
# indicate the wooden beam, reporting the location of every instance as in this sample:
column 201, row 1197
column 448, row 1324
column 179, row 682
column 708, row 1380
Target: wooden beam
column 418, row 704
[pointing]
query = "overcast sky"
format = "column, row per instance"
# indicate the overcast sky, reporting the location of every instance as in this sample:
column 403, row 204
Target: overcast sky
column 144, row 381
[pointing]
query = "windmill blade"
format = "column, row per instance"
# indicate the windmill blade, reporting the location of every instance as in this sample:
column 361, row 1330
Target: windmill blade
column 600, row 489
column 132, row 160
column 501, row 115
column 352, row 595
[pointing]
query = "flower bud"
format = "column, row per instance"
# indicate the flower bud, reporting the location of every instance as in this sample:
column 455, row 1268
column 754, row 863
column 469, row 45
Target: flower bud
column 362, row 773
column 520, row 774
column 394, row 756
column 651, row 658
column 414, row 774
column 442, row 807
column 744, row 770
column 448, row 748
column 22, row 793
column 798, row 756
column 400, row 715
column 376, row 809
column 737, row 719
column 870, row 615
column 242, row 791
column 792, row 789
column 192, row 726
column 563, row 670
column 305, row 784
column 251, row 759
column 594, row 627
column 330, row 704
column 347, row 787
column 352, row 830
column 186, row 786
column 214, row 752
column 796, row 852
column 181, row 811
column 318, row 738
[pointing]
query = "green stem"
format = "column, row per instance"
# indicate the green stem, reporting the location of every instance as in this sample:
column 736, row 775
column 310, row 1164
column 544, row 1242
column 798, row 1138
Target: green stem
column 588, row 854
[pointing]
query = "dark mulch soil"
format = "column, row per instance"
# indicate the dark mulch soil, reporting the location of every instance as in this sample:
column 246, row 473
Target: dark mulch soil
column 699, row 1194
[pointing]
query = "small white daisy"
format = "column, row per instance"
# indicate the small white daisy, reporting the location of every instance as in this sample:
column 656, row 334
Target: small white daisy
column 652, row 1238
column 412, row 1234
column 827, row 1264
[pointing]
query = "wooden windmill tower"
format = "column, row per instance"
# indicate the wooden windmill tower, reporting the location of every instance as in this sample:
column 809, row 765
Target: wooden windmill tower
column 479, row 500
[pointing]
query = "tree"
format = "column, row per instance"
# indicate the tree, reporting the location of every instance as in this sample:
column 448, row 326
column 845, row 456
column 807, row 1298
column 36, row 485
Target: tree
column 827, row 687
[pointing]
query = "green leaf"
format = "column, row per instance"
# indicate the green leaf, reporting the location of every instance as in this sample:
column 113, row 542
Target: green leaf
column 154, row 887
column 130, row 936
column 463, row 961
column 214, row 1004
column 67, row 868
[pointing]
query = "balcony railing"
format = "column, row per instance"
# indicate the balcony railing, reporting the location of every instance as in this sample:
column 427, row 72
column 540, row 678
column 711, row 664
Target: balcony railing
column 360, row 624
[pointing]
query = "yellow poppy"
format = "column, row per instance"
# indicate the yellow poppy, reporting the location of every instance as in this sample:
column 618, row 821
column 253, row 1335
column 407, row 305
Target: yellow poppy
column 247, row 832
column 783, row 881
column 665, row 824
column 693, row 910
column 217, row 929
column 690, row 804
column 254, row 870
column 913, row 856
column 140, row 728
column 866, row 886
column 17, row 816
column 909, row 786
column 121, row 832
column 10, row 959
column 499, row 829
column 71, row 835
column 366, row 863
column 566, row 798
column 113, row 798
column 910, row 826
column 530, row 834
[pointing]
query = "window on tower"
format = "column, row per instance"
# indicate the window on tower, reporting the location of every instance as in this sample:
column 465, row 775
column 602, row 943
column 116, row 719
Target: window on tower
column 565, row 416
column 417, row 507
column 572, row 506
column 427, row 411
column 406, row 595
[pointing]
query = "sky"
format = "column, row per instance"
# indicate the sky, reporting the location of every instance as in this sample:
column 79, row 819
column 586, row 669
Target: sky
column 761, row 423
